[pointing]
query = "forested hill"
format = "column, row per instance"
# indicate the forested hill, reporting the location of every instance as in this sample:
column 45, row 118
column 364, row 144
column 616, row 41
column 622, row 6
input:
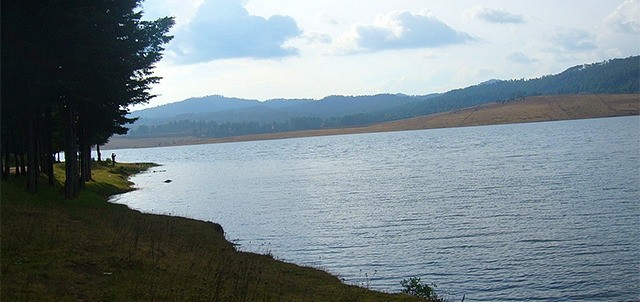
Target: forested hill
column 608, row 77
column 224, row 109
column 217, row 116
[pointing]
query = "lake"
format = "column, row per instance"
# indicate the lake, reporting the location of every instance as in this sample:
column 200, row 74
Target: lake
column 538, row 211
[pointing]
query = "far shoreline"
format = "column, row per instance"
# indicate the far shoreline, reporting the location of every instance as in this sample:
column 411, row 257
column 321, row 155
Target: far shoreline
column 526, row 110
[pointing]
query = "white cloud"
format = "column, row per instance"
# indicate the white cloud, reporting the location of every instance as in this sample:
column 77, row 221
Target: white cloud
column 619, row 30
column 317, row 38
column 182, row 10
column 401, row 30
column 495, row 15
column 224, row 29
column 625, row 18
column 554, row 35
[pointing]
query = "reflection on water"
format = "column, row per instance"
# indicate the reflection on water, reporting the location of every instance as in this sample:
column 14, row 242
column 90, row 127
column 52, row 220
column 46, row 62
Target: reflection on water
column 512, row 212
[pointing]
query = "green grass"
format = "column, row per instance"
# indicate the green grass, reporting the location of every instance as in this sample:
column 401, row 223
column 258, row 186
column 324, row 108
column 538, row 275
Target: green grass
column 54, row 249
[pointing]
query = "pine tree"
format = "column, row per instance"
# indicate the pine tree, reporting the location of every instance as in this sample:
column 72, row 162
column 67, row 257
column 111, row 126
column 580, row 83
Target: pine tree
column 76, row 66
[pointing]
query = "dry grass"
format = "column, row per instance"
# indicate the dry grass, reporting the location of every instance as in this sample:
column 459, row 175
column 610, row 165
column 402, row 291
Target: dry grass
column 532, row 109
column 90, row 250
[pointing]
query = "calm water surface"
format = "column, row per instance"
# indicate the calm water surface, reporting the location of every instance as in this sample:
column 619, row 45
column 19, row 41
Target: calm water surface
column 542, row 211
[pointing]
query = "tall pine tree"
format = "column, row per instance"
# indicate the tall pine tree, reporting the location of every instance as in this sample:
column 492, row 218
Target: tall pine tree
column 76, row 66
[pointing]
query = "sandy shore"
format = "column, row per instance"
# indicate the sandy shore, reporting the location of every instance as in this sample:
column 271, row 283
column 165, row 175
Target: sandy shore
column 531, row 109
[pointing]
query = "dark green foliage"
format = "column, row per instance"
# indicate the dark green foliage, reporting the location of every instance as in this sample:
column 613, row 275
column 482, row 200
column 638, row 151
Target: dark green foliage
column 70, row 70
column 413, row 286
column 214, row 129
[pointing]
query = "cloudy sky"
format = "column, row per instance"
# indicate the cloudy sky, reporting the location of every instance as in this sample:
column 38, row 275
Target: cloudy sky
column 265, row 49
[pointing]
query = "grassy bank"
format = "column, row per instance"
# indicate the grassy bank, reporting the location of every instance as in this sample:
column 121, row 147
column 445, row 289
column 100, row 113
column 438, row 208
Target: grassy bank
column 88, row 249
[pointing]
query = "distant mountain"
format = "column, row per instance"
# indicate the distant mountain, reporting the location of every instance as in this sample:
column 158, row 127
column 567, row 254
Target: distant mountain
column 233, row 110
column 218, row 116
column 336, row 105
column 213, row 103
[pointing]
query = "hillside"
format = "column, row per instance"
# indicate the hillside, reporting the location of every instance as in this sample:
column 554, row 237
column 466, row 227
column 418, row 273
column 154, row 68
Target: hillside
column 220, row 117
column 620, row 76
column 527, row 110
column 531, row 109
column 222, row 109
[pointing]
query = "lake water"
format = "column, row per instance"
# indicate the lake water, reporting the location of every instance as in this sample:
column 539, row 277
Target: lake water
column 541, row 211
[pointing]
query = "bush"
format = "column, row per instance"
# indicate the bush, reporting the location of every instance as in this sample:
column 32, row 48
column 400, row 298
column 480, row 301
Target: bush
column 413, row 286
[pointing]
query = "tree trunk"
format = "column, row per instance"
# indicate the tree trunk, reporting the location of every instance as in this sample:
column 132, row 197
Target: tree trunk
column 16, row 159
column 98, row 151
column 45, row 157
column 32, row 156
column 3, row 160
column 72, row 182
column 47, row 161
column 23, row 163
column 85, row 154
column 7, row 164
column 85, row 163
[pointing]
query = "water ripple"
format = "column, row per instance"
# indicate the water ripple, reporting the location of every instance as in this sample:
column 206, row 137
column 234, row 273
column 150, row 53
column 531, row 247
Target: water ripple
column 543, row 211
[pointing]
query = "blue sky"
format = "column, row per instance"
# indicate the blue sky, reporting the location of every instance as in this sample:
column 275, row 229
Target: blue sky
column 265, row 49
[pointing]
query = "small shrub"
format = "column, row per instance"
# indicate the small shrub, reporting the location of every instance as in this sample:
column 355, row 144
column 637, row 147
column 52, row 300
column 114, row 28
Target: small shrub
column 413, row 286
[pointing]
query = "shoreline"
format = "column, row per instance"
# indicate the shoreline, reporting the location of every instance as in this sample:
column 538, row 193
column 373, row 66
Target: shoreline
column 92, row 250
column 530, row 109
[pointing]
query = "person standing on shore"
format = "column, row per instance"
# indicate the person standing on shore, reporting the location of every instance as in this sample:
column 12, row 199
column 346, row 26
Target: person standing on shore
column 113, row 159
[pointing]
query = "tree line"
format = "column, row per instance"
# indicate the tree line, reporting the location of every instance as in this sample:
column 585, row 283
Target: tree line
column 214, row 129
column 70, row 69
